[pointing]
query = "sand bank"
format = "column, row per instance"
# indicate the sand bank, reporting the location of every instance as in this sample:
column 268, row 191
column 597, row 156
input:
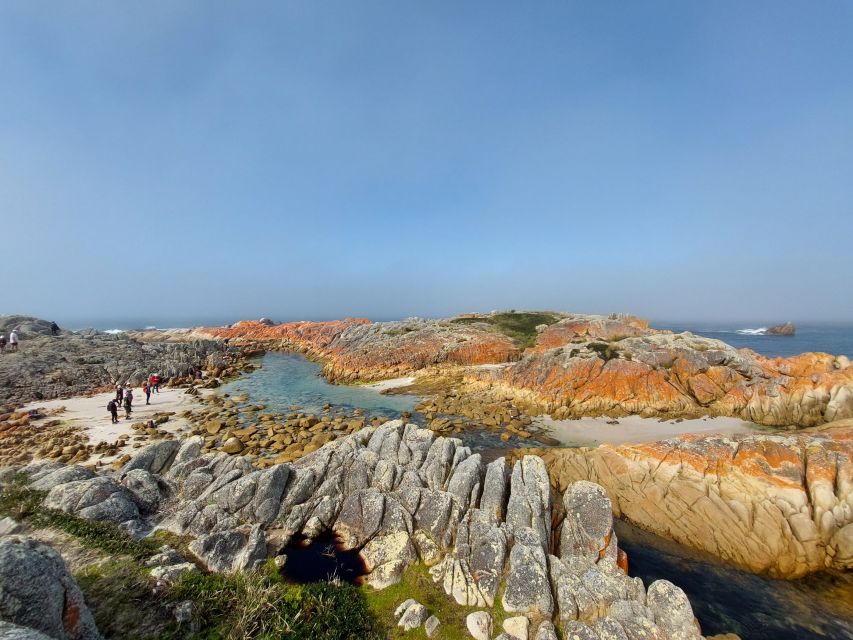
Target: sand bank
column 90, row 414
column 393, row 383
column 591, row 432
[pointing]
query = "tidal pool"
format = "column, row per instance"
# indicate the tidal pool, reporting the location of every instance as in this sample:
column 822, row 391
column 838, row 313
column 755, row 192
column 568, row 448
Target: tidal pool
column 289, row 379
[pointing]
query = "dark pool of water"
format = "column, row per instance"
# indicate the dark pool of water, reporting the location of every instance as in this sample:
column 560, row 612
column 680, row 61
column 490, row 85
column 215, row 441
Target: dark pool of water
column 321, row 560
column 755, row 607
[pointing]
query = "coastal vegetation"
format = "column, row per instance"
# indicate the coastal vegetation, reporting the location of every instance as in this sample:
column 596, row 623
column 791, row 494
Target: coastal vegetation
column 520, row 326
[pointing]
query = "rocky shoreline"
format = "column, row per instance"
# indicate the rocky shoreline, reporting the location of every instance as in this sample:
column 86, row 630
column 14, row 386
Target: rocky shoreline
column 402, row 497
column 776, row 504
column 577, row 366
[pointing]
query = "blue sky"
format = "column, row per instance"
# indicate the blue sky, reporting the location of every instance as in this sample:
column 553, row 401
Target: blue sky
column 179, row 160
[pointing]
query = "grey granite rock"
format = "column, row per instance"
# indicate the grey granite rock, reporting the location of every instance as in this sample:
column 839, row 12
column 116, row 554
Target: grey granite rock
column 37, row 591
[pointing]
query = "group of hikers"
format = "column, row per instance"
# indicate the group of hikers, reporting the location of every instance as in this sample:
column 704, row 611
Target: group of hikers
column 12, row 342
column 124, row 396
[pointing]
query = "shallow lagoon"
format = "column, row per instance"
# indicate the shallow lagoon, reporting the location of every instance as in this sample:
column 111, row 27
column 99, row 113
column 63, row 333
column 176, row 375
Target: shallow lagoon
column 289, row 379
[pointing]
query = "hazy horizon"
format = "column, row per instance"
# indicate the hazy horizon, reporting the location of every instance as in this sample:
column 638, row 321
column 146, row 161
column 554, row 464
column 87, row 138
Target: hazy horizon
column 688, row 161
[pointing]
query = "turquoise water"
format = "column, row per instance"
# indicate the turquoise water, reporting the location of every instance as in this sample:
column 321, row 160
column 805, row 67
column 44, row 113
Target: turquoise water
column 288, row 379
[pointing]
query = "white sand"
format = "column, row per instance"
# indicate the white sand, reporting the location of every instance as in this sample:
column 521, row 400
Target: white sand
column 90, row 414
column 393, row 383
column 591, row 432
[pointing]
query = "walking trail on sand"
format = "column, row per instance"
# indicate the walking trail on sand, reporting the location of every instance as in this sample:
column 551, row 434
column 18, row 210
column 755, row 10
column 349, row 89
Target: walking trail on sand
column 90, row 414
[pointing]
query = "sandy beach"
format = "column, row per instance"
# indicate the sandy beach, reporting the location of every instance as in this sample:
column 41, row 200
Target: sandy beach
column 591, row 432
column 393, row 383
column 90, row 414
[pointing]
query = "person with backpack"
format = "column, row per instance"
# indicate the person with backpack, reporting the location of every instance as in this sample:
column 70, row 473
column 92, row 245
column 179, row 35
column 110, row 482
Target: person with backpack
column 147, row 391
column 119, row 394
column 13, row 340
column 128, row 403
column 2, row 342
column 112, row 407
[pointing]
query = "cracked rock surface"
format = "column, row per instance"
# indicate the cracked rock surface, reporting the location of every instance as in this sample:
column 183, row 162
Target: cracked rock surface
column 399, row 495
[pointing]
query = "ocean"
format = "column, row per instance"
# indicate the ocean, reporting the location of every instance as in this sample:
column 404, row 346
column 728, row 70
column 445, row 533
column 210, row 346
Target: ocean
column 836, row 339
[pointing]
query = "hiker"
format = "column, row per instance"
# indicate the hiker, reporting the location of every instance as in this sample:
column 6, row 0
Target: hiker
column 112, row 407
column 54, row 328
column 13, row 341
column 119, row 394
column 154, row 382
column 147, row 391
column 2, row 342
column 128, row 403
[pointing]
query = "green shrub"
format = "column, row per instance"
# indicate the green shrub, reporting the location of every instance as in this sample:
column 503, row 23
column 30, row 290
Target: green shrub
column 604, row 350
column 259, row 604
column 521, row 327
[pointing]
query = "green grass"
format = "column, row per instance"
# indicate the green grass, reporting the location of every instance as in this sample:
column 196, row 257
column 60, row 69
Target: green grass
column 259, row 604
column 521, row 327
column 23, row 504
column 418, row 584
column 255, row 604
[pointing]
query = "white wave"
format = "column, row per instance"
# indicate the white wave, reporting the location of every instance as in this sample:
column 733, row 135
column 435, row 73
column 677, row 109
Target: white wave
column 753, row 332
column 114, row 331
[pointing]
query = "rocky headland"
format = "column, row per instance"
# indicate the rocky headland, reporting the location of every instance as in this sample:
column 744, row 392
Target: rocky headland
column 498, row 542
column 776, row 504
column 575, row 365
column 62, row 364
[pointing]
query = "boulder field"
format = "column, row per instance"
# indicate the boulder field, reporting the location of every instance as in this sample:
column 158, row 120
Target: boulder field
column 497, row 538
column 776, row 504
column 579, row 366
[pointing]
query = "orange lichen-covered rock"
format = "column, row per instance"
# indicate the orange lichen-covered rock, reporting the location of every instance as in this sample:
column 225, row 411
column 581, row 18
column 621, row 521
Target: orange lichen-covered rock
column 677, row 374
column 770, row 503
column 582, row 328
column 357, row 349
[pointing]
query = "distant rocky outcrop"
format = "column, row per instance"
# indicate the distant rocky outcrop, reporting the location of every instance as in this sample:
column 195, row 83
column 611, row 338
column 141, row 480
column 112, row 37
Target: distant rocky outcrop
column 769, row 503
column 29, row 327
column 356, row 349
column 786, row 329
column 579, row 366
column 490, row 533
column 38, row 597
column 48, row 366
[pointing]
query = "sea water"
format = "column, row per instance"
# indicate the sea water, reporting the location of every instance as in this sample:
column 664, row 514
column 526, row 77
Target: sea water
column 835, row 339
column 725, row 599
column 289, row 379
